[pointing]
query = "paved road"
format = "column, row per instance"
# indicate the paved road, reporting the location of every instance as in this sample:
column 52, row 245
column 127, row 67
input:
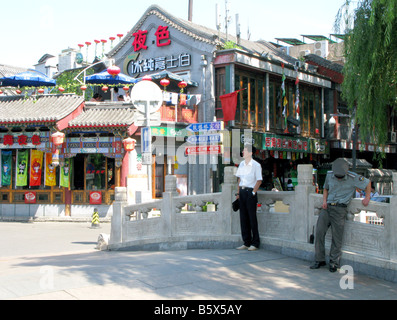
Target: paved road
column 47, row 260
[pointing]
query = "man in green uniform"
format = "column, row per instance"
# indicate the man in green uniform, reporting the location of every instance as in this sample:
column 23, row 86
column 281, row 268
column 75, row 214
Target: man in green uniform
column 339, row 188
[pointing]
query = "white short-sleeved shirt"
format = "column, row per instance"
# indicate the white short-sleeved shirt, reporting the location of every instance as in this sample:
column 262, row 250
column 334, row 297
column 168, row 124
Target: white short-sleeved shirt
column 249, row 173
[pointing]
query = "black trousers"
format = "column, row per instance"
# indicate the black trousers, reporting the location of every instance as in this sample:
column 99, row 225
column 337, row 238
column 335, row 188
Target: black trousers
column 248, row 219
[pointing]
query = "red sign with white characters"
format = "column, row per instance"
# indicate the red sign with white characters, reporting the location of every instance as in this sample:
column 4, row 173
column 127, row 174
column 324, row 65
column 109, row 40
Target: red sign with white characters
column 195, row 150
column 30, row 197
column 96, row 197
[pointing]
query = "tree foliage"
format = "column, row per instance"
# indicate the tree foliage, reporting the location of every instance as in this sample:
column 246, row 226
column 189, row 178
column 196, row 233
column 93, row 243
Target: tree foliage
column 370, row 84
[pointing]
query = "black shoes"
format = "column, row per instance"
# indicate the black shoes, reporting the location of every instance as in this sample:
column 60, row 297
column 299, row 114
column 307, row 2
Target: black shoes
column 332, row 268
column 318, row 264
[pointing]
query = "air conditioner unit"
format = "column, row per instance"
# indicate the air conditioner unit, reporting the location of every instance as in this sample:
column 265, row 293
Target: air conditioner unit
column 303, row 53
column 321, row 48
column 392, row 136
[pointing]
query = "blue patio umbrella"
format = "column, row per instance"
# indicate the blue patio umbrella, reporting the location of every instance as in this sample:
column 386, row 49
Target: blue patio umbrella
column 30, row 78
column 105, row 78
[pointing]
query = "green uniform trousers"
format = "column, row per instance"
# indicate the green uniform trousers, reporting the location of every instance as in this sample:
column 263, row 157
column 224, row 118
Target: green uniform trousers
column 334, row 217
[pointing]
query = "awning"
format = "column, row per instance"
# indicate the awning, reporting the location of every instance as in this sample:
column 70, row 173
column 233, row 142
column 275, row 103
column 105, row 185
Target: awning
column 156, row 77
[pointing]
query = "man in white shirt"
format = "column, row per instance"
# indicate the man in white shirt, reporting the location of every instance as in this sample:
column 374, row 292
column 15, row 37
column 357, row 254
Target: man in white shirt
column 249, row 175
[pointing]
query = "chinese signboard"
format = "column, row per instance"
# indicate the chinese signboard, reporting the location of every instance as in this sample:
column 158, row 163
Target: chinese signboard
column 159, row 63
column 13, row 140
column 196, row 150
column 163, row 38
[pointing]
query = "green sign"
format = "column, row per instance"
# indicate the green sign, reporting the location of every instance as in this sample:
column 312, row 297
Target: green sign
column 169, row 132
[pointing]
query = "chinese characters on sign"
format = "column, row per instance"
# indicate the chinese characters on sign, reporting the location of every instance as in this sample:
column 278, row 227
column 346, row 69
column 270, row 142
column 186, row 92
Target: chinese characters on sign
column 24, row 140
column 162, row 35
column 161, row 63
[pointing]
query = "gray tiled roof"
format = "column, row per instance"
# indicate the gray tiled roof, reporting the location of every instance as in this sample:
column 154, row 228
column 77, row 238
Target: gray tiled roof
column 43, row 108
column 204, row 34
column 324, row 62
column 6, row 70
column 104, row 115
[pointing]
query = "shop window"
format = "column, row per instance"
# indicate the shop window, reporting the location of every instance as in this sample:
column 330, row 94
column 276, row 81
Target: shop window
column 4, row 197
column 43, row 197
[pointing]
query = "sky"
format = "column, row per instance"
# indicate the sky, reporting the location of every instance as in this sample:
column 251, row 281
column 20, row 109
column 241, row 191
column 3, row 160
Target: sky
column 32, row 28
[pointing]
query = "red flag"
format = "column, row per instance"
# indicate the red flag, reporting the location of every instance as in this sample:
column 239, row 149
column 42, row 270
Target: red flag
column 229, row 104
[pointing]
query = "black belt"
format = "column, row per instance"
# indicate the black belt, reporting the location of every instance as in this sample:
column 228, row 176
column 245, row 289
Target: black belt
column 334, row 204
column 246, row 188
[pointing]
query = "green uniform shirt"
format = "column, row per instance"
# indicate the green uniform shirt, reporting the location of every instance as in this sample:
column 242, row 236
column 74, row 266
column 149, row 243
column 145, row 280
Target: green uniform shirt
column 342, row 190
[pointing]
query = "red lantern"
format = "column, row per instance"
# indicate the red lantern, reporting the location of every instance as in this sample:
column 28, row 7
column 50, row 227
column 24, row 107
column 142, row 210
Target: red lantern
column 104, row 41
column 61, row 89
column 182, row 85
column 105, row 88
column 147, row 78
column 165, row 82
column 112, row 38
column 81, row 45
column 129, row 144
column 88, row 43
column 97, row 41
column 57, row 138
column 83, row 88
column 18, row 91
column 1, row 91
column 126, row 88
column 113, row 71
column 120, row 35
column 41, row 91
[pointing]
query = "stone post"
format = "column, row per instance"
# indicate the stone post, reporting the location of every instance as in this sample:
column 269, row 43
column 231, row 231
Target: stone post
column 116, row 233
column 302, row 223
column 168, row 209
column 228, row 189
column 391, row 220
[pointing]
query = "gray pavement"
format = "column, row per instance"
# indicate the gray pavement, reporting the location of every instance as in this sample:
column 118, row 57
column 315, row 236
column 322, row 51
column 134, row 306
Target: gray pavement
column 58, row 261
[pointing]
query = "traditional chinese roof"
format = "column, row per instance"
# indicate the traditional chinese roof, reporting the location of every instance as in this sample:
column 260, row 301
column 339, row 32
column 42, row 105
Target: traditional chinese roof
column 40, row 109
column 94, row 115
column 204, row 34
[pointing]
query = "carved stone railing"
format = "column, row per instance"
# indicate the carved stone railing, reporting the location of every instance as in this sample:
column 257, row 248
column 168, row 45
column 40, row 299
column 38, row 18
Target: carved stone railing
column 286, row 222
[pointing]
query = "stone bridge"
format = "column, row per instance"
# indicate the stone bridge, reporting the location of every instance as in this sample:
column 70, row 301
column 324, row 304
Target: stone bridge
column 286, row 221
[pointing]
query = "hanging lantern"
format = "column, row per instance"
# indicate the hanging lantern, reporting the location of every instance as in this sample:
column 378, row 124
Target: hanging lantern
column 105, row 88
column 147, row 78
column 57, row 138
column 165, row 82
column 182, row 85
column 113, row 71
column 80, row 46
column 129, row 144
column 1, row 91
column 120, row 35
column 83, row 88
column 18, row 91
column 61, row 89
column 126, row 88
column 41, row 91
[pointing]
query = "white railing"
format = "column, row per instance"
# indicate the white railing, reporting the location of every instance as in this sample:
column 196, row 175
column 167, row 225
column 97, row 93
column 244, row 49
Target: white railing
column 286, row 220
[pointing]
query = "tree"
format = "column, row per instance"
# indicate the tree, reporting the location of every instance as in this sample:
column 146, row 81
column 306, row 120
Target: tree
column 370, row 83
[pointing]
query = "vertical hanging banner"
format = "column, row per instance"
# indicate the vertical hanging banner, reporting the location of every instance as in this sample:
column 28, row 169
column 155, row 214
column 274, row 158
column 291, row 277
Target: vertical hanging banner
column 36, row 167
column 6, row 167
column 50, row 171
column 22, row 168
column 66, row 171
